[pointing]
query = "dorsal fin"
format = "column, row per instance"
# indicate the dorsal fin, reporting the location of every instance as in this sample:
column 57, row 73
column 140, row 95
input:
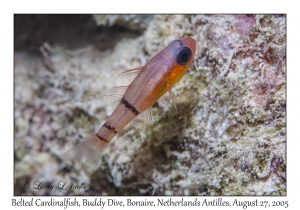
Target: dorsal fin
column 115, row 94
column 131, row 74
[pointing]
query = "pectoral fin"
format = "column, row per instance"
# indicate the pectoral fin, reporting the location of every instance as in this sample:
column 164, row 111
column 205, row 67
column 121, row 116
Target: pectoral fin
column 164, row 100
column 173, row 97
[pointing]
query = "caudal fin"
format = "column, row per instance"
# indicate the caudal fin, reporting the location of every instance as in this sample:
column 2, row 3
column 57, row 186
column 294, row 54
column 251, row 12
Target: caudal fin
column 88, row 153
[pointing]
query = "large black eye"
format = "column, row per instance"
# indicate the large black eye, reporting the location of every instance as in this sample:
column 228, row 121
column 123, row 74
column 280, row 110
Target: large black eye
column 183, row 55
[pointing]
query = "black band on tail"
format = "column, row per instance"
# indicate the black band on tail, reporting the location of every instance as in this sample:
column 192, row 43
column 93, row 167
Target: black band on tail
column 110, row 128
column 101, row 138
column 129, row 106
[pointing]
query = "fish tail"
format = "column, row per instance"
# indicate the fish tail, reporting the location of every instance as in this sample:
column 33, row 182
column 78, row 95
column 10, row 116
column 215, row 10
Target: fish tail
column 87, row 153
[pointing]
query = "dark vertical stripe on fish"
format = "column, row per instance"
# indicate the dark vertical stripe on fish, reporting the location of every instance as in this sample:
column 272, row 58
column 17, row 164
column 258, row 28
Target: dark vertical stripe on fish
column 129, row 106
column 110, row 128
column 101, row 138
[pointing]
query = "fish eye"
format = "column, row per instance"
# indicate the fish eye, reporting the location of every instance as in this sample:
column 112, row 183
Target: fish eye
column 183, row 55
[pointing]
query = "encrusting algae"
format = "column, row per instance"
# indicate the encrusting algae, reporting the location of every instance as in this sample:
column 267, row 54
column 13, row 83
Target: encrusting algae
column 228, row 136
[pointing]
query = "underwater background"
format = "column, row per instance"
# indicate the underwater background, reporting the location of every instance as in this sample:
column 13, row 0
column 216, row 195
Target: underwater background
column 228, row 136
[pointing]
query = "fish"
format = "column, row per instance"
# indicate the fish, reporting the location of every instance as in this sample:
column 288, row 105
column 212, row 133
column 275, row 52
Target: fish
column 152, row 82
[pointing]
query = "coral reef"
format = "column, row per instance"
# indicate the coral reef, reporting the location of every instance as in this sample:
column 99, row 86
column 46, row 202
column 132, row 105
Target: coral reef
column 228, row 136
column 133, row 22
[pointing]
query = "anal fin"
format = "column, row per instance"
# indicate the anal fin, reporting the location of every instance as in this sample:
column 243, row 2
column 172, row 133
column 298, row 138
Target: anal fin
column 143, row 120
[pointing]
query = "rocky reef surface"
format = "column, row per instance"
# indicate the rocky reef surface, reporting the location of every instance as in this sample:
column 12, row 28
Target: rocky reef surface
column 228, row 136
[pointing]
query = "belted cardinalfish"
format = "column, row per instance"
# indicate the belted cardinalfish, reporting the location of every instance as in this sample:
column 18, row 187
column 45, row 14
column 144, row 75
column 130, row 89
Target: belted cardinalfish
column 152, row 81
